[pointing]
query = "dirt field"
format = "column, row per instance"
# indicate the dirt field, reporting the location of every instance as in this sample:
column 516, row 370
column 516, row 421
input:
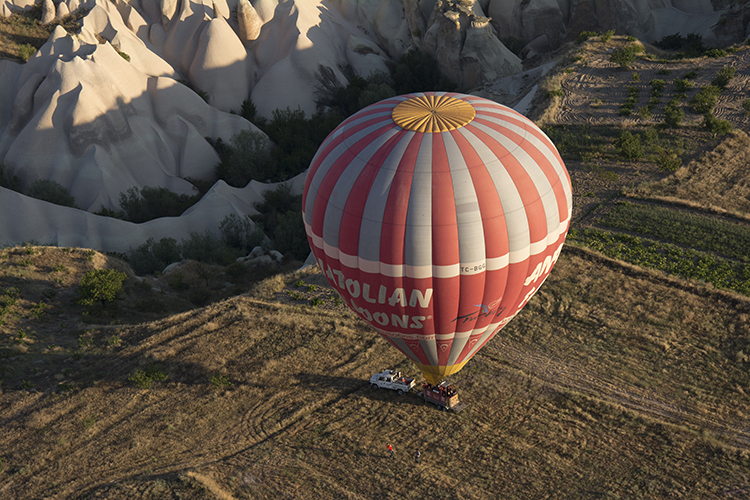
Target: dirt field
column 614, row 382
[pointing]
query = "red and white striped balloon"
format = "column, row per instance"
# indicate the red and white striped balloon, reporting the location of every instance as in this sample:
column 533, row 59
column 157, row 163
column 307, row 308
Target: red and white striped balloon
column 436, row 217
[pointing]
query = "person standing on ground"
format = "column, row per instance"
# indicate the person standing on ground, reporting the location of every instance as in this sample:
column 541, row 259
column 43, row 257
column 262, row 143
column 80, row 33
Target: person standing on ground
column 417, row 456
column 390, row 449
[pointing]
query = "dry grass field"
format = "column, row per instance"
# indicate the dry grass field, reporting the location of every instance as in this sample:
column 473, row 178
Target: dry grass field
column 620, row 379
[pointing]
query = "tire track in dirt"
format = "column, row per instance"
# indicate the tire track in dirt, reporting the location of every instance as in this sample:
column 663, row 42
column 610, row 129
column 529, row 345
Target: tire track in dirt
column 560, row 374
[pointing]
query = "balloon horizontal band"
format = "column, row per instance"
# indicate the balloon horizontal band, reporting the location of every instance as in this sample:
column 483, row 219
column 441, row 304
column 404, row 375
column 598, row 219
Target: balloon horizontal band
column 434, row 374
column 437, row 271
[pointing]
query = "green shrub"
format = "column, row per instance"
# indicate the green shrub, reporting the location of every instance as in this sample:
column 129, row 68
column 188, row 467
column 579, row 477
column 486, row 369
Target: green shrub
column 705, row 100
column 723, row 77
column 667, row 160
column 585, row 35
column 199, row 296
column 280, row 220
column 297, row 140
column 219, row 381
column 746, row 105
column 204, row 247
column 7, row 180
column 141, row 205
column 240, row 233
column 555, row 93
column 249, row 112
column 636, row 76
column 658, row 86
column 651, row 136
column 124, row 55
column 607, row 35
column 691, row 75
column 690, row 46
column 108, row 212
column 103, row 285
column 716, row 53
column 625, row 56
column 681, row 85
column 247, row 157
column 52, row 192
column 629, row 146
column 716, row 126
column 673, row 114
column 146, row 377
column 417, row 71
column 151, row 257
column 26, row 51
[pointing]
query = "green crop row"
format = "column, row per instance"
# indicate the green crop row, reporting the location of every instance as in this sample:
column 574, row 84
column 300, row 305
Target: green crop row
column 672, row 259
column 710, row 234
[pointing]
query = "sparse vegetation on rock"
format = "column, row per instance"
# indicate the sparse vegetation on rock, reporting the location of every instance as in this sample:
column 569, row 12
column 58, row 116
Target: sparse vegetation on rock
column 100, row 285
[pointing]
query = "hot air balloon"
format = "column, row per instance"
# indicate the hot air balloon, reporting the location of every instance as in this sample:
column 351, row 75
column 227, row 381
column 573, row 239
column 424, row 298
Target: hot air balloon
column 437, row 216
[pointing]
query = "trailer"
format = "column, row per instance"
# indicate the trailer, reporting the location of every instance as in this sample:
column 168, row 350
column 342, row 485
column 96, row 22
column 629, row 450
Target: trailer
column 443, row 396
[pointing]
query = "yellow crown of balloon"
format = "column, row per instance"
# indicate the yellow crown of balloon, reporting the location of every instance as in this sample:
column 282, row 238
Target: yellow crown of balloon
column 432, row 113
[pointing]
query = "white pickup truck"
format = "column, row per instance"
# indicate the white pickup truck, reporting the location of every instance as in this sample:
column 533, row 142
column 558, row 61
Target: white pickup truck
column 392, row 379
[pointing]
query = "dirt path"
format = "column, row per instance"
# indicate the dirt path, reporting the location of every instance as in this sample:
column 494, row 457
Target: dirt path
column 563, row 375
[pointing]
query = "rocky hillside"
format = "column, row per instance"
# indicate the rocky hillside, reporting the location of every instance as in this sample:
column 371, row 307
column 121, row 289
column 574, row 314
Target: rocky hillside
column 134, row 93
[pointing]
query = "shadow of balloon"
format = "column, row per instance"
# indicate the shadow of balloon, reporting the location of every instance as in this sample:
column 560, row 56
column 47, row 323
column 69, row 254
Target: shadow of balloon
column 347, row 386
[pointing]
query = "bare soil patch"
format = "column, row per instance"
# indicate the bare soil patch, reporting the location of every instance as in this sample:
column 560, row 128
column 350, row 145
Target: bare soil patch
column 260, row 399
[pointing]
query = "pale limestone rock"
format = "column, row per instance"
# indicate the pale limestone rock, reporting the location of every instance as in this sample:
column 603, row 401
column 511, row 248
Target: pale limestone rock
column 25, row 219
column 220, row 68
column 249, row 22
column 221, row 9
column 168, row 9
column 467, row 50
column 73, row 5
column 48, row 11
column 183, row 35
column 62, row 10
column 105, row 20
column 265, row 8
column 392, row 28
column 157, row 36
column 484, row 58
column 86, row 118
column 416, row 21
column 365, row 57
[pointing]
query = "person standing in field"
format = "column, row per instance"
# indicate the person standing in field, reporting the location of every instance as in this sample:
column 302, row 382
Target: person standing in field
column 390, row 449
column 417, row 456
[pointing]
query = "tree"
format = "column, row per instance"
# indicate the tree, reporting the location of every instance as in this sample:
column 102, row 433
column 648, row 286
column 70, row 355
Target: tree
column 629, row 146
column 716, row 126
column 141, row 205
column 673, row 115
column 625, row 56
column 705, row 100
column 248, row 157
column 51, row 191
column 104, row 285
column 722, row 78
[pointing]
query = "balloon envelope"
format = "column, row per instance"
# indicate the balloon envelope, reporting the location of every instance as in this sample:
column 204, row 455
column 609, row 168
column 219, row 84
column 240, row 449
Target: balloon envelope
column 436, row 217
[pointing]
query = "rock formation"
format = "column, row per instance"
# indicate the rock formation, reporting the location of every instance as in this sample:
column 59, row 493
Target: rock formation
column 467, row 50
column 106, row 109
column 249, row 22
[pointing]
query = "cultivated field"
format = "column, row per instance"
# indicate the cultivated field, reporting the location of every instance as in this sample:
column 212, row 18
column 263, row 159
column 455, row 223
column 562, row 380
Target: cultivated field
column 626, row 376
